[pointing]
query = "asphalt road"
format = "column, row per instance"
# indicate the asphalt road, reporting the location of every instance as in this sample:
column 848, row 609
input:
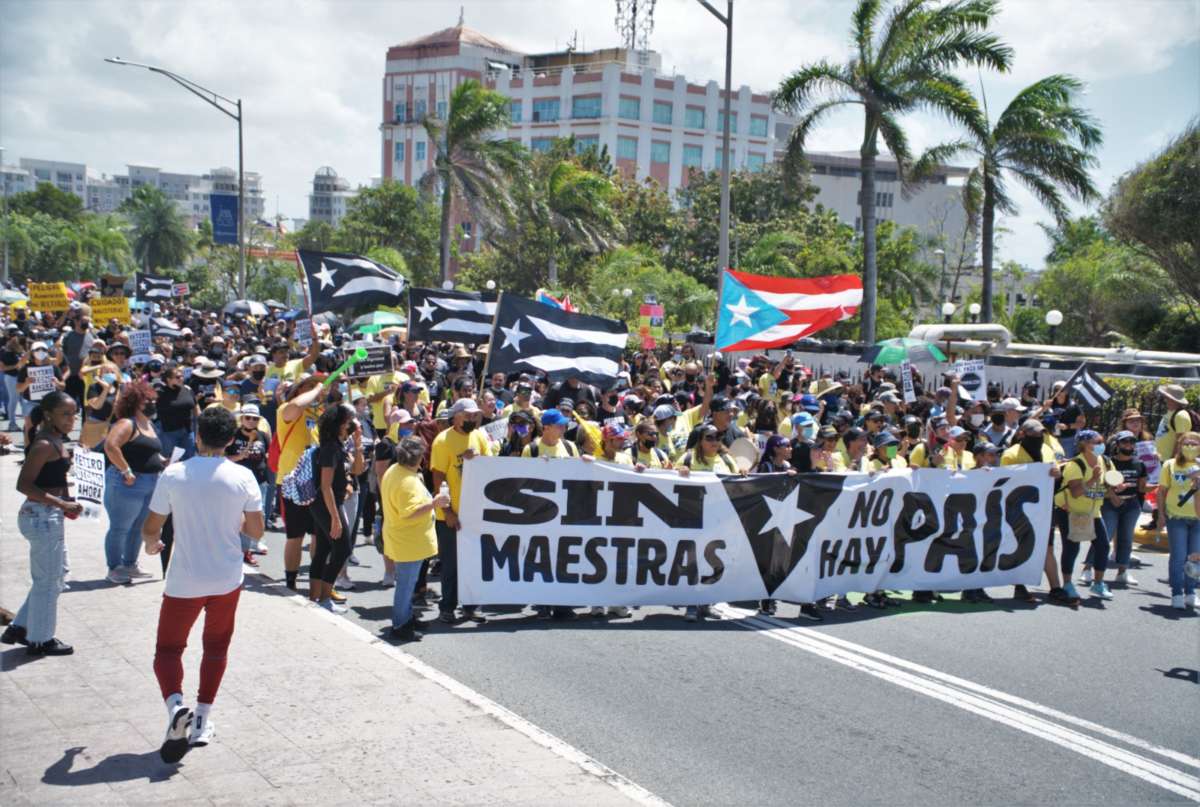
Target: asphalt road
column 1009, row 704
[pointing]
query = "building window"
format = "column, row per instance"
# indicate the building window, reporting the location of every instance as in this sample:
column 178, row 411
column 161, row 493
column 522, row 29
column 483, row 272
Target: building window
column 545, row 109
column 693, row 117
column 588, row 107
column 758, row 126
column 662, row 112
column 842, row 171
column 441, row 110
column 692, row 156
column 399, row 151
column 756, row 162
column 630, row 108
column 887, row 176
column 582, row 144
column 660, row 152
column 514, row 111
column 882, row 198
column 401, row 108
column 732, row 122
column 627, row 148
column 541, row 143
column 420, row 157
column 419, row 110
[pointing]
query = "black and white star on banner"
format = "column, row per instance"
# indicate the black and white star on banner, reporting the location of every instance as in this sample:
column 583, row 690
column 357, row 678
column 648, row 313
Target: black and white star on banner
column 435, row 315
column 528, row 335
column 339, row 280
column 1088, row 387
column 153, row 287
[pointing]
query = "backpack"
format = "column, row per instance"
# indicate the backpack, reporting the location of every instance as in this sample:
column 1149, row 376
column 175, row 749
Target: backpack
column 300, row 486
column 656, row 451
column 1191, row 413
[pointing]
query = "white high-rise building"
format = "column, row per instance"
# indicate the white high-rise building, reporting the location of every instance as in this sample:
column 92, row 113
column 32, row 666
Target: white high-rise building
column 69, row 177
column 330, row 196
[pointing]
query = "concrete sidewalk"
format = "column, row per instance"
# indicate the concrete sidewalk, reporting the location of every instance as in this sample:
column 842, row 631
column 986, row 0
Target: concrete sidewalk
column 312, row 709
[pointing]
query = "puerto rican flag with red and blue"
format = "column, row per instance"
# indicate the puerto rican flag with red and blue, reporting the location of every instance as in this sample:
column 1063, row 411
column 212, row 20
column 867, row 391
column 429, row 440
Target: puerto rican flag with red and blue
column 759, row 312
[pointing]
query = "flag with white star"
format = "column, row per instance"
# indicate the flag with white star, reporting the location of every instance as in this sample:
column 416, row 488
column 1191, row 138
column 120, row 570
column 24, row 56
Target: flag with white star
column 339, row 280
column 529, row 336
column 153, row 287
column 758, row 311
column 436, row 315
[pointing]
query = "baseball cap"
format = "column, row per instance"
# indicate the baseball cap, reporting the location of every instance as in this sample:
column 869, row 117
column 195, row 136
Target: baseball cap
column 566, row 405
column 885, row 438
column 802, row 419
column 1033, row 426
column 249, row 410
column 553, row 417
column 957, row 432
column 1124, row 434
column 665, row 412
column 615, row 430
column 718, row 404
column 984, row 447
column 810, row 403
column 464, row 405
column 827, row 432
column 1011, row 405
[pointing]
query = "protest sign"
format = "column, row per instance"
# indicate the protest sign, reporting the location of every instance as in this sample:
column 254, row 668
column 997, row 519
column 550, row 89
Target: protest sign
column 1145, row 451
column 89, row 482
column 650, row 323
column 497, row 430
column 600, row 534
column 378, row 360
column 906, row 376
column 180, row 290
column 48, row 297
column 41, row 381
column 106, row 308
column 112, row 286
column 302, row 332
column 972, row 378
column 140, row 346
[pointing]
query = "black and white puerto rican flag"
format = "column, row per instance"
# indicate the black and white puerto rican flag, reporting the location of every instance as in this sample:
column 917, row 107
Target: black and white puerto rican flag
column 435, row 315
column 528, row 335
column 339, row 280
column 153, row 287
column 1088, row 387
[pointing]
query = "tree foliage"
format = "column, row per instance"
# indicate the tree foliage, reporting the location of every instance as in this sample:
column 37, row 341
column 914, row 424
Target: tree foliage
column 161, row 239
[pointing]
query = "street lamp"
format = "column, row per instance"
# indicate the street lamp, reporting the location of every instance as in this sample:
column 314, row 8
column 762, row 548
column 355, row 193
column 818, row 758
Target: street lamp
column 942, row 277
column 974, row 309
column 1054, row 318
column 214, row 99
column 491, row 285
column 447, row 284
column 948, row 309
column 726, row 19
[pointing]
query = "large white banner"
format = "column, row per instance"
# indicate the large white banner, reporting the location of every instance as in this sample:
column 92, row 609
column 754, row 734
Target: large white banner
column 568, row 532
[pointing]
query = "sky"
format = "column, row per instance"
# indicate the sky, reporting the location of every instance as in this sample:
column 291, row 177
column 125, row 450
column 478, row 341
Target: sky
column 310, row 76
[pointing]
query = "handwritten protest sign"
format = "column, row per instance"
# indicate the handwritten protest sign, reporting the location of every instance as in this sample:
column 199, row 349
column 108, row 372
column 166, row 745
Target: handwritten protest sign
column 48, row 297
column 106, row 308
column 497, row 430
column 89, row 483
column 140, row 345
column 41, row 382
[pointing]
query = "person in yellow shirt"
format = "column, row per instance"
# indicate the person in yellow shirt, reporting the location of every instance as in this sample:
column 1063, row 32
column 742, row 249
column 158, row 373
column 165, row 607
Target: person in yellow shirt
column 1082, row 497
column 936, row 452
column 884, row 456
column 1174, row 423
column 460, row 443
column 1180, row 476
column 291, row 370
column 1030, row 444
column 522, row 402
column 553, row 445
column 825, row 456
column 295, row 436
column 964, row 460
column 379, row 389
column 645, row 450
column 409, row 536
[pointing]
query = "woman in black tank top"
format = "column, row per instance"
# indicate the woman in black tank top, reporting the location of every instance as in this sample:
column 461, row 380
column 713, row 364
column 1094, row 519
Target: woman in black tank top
column 43, row 482
column 134, row 460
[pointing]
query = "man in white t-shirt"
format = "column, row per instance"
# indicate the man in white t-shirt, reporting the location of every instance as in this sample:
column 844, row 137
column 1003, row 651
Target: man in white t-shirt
column 214, row 502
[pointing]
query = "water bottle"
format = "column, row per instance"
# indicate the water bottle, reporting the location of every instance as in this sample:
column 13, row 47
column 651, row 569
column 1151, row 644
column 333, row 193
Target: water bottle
column 444, row 490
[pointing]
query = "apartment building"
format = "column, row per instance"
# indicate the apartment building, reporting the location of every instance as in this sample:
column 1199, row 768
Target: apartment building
column 330, row 196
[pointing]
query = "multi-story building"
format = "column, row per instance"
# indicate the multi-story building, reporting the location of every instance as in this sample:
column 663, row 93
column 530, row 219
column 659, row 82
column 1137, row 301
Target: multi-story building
column 329, row 196
column 15, row 179
column 69, row 177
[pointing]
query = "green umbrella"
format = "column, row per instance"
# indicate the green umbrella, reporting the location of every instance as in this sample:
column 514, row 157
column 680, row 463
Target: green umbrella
column 373, row 322
column 894, row 351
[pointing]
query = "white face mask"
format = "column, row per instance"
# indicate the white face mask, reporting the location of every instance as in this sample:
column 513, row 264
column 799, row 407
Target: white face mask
column 40, row 355
column 977, row 420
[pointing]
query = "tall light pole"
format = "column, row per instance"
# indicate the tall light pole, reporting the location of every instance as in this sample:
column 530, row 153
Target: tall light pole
column 217, row 101
column 723, row 250
column 941, row 278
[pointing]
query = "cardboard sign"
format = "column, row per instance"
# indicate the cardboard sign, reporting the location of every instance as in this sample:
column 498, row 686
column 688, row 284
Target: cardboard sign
column 89, row 483
column 48, row 297
column 650, row 323
column 378, row 359
column 180, row 290
column 302, row 332
column 1145, row 451
column 140, row 346
column 106, row 308
column 906, row 376
column 497, row 430
column 972, row 378
column 41, row 382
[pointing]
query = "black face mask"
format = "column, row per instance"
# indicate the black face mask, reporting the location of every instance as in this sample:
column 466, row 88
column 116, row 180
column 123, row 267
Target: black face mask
column 259, row 375
column 997, row 420
column 913, row 430
column 1126, row 450
column 150, row 410
column 469, row 426
column 1032, row 446
column 217, row 352
column 648, row 444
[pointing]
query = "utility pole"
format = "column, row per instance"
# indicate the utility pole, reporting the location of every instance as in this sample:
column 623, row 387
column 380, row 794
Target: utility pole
column 726, row 19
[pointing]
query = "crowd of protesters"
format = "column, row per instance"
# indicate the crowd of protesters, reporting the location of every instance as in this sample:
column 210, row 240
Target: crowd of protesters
column 378, row 459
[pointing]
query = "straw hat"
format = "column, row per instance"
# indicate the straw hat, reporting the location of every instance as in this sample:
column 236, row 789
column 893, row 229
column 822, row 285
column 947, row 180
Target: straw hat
column 1173, row 392
column 824, row 386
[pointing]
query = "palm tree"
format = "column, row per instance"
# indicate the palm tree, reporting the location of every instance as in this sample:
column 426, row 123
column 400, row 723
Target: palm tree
column 101, row 244
column 1044, row 140
column 470, row 166
column 577, row 205
column 160, row 234
column 901, row 64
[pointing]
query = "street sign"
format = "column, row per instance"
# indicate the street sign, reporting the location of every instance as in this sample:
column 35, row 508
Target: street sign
column 224, row 209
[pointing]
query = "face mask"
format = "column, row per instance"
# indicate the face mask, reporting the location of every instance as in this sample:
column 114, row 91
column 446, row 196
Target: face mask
column 108, row 378
column 890, row 452
column 469, row 426
column 40, row 355
column 648, row 444
column 521, row 429
column 259, row 375
column 404, row 432
column 1124, row 449
column 1098, row 449
column 150, row 410
column 810, row 432
column 1032, row 446
column 977, row 420
column 217, row 352
column 1190, row 452
column 997, row 420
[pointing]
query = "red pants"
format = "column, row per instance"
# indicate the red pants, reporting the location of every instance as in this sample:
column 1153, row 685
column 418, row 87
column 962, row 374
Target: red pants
column 175, row 620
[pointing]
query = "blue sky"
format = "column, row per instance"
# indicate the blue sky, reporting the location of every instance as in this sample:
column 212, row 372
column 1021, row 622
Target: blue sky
column 310, row 72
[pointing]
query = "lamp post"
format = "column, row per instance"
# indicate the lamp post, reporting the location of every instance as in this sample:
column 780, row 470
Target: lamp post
column 942, row 277
column 627, row 293
column 726, row 19
column 447, row 284
column 974, row 309
column 1054, row 318
column 948, row 309
column 491, row 285
column 216, row 100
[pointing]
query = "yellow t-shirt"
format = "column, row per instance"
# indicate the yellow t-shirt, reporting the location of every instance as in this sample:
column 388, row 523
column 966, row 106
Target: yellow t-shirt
column 684, row 423
column 531, row 409
column 893, row 464
column 1016, row 455
column 406, row 537
column 1092, row 499
column 294, row 438
column 621, row 458
column 651, row 459
column 555, row 452
column 1174, row 477
column 377, row 384
column 290, row 371
column 1168, row 430
column 446, row 456
column 835, row 464
column 918, row 457
column 717, row 463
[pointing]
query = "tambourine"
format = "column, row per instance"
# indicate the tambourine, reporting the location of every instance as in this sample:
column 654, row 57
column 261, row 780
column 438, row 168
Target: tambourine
column 745, row 453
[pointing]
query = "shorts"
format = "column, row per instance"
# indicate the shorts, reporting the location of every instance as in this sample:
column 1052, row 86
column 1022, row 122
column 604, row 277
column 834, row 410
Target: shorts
column 297, row 520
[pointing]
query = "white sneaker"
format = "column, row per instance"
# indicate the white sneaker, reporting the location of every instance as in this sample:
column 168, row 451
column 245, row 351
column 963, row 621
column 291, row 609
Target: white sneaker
column 260, row 548
column 1177, row 602
column 389, row 580
column 202, row 731
column 332, row 607
column 344, row 583
column 1189, row 600
column 118, row 576
column 1086, row 577
column 1125, row 578
column 136, row 572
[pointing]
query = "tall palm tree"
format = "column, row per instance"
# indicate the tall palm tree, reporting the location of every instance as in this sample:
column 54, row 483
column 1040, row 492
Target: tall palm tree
column 901, row 63
column 160, row 234
column 101, row 244
column 577, row 205
column 1043, row 140
column 471, row 167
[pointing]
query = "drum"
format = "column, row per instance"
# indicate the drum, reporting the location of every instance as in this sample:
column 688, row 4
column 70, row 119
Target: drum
column 745, row 453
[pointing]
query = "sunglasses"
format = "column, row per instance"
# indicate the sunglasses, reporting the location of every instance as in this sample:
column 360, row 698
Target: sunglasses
column 710, row 438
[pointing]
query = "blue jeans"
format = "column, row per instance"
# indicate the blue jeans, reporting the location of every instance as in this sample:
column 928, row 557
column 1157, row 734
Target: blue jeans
column 269, row 497
column 42, row 526
column 407, row 573
column 15, row 403
column 127, row 507
column 181, row 438
column 1183, row 536
column 1070, row 549
column 1119, row 522
column 248, row 542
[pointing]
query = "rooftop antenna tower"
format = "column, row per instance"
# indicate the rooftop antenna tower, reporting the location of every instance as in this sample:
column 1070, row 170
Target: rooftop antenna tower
column 635, row 21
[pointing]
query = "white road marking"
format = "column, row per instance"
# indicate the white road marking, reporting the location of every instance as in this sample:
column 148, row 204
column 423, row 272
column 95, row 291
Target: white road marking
column 982, row 701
